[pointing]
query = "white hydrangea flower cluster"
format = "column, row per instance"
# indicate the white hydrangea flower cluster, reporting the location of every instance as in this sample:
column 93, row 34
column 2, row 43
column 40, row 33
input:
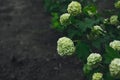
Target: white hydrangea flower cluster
column 65, row 46
column 117, row 4
column 114, row 68
column 97, row 76
column 64, row 19
column 93, row 59
column 74, row 8
column 115, row 45
column 114, row 20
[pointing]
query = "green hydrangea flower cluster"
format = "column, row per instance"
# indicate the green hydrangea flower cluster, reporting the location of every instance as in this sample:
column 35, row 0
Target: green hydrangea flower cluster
column 115, row 45
column 117, row 4
column 97, row 76
column 114, row 20
column 64, row 19
column 93, row 59
column 65, row 46
column 92, row 62
column 114, row 68
column 74, row 8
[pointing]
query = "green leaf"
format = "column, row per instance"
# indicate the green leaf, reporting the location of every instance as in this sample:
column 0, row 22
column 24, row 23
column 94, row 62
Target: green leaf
column 73, row 33
column 110, row 54
column 87, row 23
column 87, row 69
column 108, row 77
column 90, row 10
column 55, row 22
column 82, row 51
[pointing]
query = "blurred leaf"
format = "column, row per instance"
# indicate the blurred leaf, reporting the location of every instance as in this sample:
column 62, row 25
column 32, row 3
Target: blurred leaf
column 90, row 10
column 108, row 77
column 87, row 69
column 74, row 33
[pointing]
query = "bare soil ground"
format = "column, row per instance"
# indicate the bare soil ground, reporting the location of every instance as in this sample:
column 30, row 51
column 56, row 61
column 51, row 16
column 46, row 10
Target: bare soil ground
column 28, row 45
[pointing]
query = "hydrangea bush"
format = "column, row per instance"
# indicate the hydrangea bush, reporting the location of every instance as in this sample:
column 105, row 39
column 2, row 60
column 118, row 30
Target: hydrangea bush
column 92, row 36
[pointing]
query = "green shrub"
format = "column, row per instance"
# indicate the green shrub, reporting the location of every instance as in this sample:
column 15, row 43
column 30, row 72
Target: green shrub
column 57, row 7
column 91, row 32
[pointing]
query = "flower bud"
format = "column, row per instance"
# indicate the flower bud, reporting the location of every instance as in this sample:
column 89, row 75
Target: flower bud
column 114, row 68
column 118, row 27
column 114, row 20
column 93, row 59
column 74, row 8
column 87, row 69
column 97, row 76
column 65, row 46
column 115, row 45
column 96, row 32
column 117, row 4
column 106, row 21
column 97, row 28
column 90, row 13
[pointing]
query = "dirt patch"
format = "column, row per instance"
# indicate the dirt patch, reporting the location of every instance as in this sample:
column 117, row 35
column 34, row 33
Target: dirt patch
column 28, row 45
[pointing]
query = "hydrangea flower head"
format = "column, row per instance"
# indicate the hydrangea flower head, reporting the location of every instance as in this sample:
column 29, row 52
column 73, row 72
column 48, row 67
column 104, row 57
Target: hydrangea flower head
column 64, row 19
column 114, row 20
column 115, row 45
column 117, row 4
column 114, row 68
column 74, row 8
column 65, row 46
column 93, row 59
column 97, row 76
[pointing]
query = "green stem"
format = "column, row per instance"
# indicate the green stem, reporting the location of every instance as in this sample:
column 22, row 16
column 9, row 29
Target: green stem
column 101, row 65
